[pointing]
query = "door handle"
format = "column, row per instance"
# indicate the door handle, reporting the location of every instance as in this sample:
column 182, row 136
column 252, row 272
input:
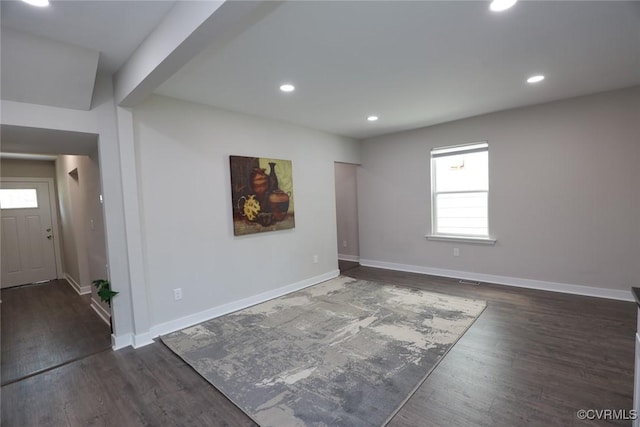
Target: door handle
column 48, row 230
column 49, row 237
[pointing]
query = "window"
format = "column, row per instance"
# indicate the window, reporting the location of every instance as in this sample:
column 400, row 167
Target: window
column 18, row 198
column 460, row 192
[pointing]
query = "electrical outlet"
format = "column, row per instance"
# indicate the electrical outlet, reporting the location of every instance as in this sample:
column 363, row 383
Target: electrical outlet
column 456, row 251
column 177, row 294
column 315, row 259
column 344, row 243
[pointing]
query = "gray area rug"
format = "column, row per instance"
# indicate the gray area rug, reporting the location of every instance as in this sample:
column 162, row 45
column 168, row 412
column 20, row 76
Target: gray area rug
column 345, row 352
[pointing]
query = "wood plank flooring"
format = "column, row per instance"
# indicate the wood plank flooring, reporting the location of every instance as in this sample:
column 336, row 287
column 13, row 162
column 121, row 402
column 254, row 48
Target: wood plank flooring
column 47, row 325
column 532, row 358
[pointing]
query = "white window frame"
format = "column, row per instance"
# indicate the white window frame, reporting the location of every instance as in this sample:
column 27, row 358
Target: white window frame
column 456, row 150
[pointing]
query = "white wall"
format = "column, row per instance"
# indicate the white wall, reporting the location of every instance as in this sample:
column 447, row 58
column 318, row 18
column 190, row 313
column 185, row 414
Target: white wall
column 46, row 117
column 564, row 202
column 83, row 235
column 182, row 150
column 115, row 184
column 95, row 231
column 73, row 222
column 347, row 211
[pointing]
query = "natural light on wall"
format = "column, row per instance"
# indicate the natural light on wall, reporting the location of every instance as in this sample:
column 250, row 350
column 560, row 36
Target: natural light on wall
column 460, row 190
column 38, row 3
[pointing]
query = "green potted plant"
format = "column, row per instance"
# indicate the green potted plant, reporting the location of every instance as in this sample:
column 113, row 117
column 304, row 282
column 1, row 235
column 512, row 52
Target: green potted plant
column 104, row 290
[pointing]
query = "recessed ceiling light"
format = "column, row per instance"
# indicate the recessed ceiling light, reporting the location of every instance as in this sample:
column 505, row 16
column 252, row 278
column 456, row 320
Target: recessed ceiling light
column 287, row 87
column 500, row 5
column 372, row 118
column 39, row 3
column 535, row 79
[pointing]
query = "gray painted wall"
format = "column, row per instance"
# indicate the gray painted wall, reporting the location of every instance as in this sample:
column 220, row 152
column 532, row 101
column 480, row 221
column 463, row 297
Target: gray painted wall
column 182, row 154
column 95, row 231
column 19, row 168
column 82, row 221
column 72, row 220
column 564, row 202
column 347, row 210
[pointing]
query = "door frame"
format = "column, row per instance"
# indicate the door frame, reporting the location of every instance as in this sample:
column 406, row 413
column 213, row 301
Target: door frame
column 53, row 204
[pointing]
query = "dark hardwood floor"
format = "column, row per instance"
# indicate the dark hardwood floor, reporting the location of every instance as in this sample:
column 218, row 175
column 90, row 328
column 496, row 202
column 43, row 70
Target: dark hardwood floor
column 44, row 326
column 346, row 265
column 532, row 358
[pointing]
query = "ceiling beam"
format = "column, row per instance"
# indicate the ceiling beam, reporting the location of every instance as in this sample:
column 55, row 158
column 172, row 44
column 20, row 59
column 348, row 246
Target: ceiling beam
column 47, row 117
column 188, row 29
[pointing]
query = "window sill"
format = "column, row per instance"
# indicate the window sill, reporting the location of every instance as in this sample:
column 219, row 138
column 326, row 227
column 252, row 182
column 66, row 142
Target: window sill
column 462, row 239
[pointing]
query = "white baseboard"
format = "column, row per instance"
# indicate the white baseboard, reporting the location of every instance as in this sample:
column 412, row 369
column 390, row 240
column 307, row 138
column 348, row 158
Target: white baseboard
column 194, row 319
column 104, row 314
column 505, row 280
column 126, row 340
column 121, row 341
column 81, row 290
column 343, row 257
column 140, row 340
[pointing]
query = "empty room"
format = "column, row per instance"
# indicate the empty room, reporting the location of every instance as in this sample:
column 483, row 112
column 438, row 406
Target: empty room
column 320, row 213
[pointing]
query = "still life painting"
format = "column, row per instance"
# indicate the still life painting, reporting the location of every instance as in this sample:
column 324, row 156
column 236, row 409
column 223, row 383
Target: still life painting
column 261, row 195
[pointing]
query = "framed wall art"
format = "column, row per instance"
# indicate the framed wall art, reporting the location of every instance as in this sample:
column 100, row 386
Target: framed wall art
column 261, row 195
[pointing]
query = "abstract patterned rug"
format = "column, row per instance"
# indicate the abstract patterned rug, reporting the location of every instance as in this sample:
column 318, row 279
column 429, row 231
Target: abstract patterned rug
column 345, row 352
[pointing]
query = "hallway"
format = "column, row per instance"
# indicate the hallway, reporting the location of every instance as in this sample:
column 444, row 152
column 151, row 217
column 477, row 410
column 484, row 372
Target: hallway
column 45, row 326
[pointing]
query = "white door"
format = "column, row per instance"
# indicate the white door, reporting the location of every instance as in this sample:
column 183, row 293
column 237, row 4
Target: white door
column 26, row 231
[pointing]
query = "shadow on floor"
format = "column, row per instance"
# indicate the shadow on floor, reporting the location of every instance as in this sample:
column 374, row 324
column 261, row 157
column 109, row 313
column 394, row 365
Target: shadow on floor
column 346, row 265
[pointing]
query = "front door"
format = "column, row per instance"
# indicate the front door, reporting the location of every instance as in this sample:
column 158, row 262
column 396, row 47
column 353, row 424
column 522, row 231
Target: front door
column 26, row 231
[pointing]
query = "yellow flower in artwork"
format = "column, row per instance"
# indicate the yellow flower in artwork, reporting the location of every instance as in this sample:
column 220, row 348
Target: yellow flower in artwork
column 251, row 208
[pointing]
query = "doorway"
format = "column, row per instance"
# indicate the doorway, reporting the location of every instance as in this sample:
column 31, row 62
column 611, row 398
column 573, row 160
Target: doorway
column 46, row 325
column 347, row 215
column 31, row 253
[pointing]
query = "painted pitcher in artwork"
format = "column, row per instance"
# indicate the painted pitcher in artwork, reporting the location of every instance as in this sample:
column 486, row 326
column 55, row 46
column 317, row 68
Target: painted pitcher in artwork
column 261, row 195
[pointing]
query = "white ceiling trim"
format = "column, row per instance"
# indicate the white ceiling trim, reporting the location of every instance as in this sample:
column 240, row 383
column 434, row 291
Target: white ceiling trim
column 27, row 156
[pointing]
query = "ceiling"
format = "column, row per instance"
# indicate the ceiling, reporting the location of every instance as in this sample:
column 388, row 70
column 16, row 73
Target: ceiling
column 70, row 76
column 51, row 56
column 113, row 28
column 413, row 64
